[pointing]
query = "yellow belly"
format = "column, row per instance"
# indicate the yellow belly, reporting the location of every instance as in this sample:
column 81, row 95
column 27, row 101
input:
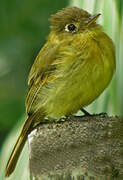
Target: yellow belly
column 77, row 90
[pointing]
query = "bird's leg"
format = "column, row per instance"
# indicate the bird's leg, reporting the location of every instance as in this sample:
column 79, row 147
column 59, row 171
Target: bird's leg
column 88, row 114
column 85, row 112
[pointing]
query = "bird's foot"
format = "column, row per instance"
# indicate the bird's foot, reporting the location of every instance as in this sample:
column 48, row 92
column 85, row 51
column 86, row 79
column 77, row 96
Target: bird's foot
column 103, row 114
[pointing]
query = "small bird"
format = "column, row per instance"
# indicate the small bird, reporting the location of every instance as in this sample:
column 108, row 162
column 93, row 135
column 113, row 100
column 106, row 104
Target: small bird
column 72, row 69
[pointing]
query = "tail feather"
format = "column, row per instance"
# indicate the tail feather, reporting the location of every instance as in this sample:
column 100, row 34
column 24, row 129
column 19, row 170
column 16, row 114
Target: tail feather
column 11, row 164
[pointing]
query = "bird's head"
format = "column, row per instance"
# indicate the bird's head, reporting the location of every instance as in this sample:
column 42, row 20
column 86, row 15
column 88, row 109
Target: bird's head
column 72, row 20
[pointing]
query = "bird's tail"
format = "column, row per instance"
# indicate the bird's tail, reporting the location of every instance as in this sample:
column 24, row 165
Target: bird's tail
column 11, row 164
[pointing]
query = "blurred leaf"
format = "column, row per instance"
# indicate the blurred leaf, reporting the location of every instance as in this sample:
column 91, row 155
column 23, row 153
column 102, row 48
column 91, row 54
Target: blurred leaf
column 21, row 171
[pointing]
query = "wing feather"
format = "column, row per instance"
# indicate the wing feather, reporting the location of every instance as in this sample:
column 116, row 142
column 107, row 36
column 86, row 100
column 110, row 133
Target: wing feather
column 44, row 65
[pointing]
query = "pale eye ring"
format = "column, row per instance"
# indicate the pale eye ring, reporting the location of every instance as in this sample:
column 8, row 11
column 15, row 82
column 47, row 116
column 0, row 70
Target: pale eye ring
column 70, row 28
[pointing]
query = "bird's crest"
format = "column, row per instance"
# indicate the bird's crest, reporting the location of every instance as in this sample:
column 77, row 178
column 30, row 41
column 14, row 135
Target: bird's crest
column 67, row 15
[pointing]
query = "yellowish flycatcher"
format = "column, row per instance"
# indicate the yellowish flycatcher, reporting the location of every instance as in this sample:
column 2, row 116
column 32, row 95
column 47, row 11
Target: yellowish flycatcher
column 72, row 69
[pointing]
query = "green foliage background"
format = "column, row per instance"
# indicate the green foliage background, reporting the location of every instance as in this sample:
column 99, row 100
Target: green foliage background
column 23, row 29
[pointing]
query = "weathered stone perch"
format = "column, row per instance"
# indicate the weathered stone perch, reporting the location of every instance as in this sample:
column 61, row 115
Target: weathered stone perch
column 80, row 148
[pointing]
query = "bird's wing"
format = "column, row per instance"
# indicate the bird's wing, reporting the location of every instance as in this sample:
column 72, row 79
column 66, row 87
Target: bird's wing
column 44, row 65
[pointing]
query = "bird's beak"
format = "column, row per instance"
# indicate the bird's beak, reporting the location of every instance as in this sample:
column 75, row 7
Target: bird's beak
column 92, row 19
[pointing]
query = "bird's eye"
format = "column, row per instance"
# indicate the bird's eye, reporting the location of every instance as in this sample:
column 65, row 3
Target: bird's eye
column 70, row 28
